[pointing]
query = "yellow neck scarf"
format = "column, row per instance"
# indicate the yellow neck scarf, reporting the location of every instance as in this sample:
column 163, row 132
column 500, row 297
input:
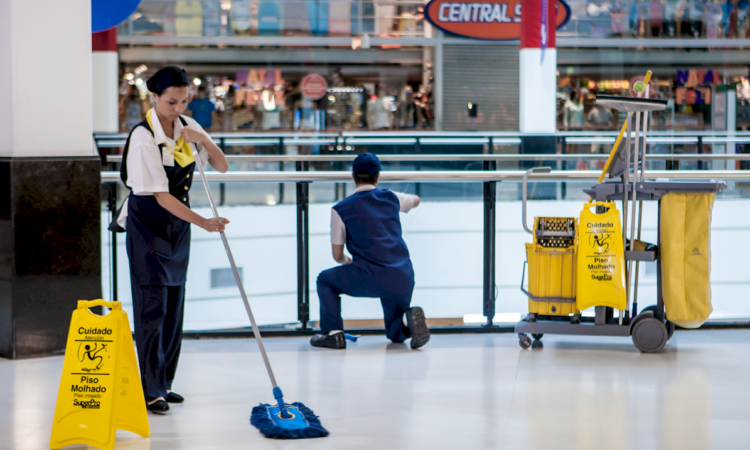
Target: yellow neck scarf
column 183, row 154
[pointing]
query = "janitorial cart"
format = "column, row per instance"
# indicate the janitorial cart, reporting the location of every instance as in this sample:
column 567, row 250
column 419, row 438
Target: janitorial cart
column 591, row 261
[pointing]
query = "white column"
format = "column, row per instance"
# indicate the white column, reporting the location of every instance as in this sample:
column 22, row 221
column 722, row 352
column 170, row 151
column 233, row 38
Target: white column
column 437, row 82
column 538, row 88
column 45, row 81
column 105, row 76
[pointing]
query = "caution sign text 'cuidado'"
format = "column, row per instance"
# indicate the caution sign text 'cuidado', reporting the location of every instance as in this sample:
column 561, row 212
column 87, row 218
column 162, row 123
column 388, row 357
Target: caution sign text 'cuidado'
column 601, row 259
column 100, row 389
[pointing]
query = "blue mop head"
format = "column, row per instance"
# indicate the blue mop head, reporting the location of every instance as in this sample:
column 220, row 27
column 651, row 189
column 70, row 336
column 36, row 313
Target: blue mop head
column 303, row 423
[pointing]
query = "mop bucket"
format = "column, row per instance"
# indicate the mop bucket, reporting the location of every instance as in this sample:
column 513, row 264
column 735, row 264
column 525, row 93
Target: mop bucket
column 552, row 267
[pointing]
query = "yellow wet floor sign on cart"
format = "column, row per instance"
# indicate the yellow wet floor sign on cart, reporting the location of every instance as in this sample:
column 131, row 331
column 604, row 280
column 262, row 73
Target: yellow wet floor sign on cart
column 601, row 259
column 100, row 390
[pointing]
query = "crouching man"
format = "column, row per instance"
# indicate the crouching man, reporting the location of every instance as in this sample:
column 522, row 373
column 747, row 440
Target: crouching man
column 368, row 223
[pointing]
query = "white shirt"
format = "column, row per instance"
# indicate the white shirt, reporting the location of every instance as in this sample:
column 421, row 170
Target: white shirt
column 338, row 229
column 146, row 175
column 379, row 113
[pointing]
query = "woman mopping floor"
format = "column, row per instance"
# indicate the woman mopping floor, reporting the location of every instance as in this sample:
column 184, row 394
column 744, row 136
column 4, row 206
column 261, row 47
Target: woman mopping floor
column 157, row 167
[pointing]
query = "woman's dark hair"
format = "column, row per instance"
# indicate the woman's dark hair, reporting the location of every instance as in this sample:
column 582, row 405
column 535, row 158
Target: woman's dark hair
column 167, row 77
column 574, row 95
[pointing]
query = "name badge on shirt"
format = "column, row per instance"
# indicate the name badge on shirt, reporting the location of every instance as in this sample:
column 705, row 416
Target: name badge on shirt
column 167, row 156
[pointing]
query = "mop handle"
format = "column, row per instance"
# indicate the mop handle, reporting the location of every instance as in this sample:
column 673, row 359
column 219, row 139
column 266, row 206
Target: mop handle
column 256, row 332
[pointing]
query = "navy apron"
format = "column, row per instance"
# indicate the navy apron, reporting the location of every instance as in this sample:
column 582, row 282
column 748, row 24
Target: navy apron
column 158, row 242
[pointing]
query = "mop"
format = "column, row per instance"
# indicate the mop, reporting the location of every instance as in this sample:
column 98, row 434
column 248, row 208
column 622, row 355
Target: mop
column 280, row 421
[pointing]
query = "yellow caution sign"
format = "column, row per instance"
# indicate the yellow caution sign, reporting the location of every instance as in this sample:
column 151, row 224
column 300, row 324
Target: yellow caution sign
column 601, row 259
column 100, row 390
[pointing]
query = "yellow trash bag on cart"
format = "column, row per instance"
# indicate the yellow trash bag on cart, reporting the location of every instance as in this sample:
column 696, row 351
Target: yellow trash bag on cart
column 685, row 251
column 601, row 259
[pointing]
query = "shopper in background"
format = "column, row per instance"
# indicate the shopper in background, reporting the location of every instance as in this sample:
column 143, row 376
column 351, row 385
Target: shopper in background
column 201, row 108
column 132, row 108
column 600, row 118
column 229, row 104
column 634, row 19
column 743, row 19
column 656, row 17
column 573, row 111
column 712, row 17
column 617, row 16
column 380, row 111
column 695, row 14
column 670, row 18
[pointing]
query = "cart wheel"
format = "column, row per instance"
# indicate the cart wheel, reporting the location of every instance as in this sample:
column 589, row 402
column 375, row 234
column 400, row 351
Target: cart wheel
column 649, row 335
column 537, row 344
column 575, row 319
column 537, row 336
column 651, row 308
column 639, row 317
column 524, row 341
column 670, row 329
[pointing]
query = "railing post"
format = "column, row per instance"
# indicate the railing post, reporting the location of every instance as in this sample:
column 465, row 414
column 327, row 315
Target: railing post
column 281, row 168
column 303, row 250
column 700, row 152
column 418, row 150
column 112, row 203
column 488, row 281
column 222, row 186
column 338, row 165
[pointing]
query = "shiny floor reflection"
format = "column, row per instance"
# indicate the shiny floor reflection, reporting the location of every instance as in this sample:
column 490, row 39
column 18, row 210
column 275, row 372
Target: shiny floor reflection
column 461, row 391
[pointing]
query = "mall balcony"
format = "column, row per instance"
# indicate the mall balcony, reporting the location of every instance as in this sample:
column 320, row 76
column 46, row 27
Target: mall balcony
column 576, row 249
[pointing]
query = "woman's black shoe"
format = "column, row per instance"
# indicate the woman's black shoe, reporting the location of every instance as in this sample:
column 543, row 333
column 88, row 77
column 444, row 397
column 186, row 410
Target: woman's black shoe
column 158, row 407
column 174, row 398
column 326, row 340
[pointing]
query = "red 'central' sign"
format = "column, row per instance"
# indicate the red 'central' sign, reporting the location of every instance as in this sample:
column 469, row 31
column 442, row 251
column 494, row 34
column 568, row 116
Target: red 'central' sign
column 484, row 20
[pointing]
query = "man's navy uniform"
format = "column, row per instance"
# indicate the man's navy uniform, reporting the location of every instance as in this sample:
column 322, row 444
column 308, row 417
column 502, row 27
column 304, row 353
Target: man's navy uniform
column 368, row 223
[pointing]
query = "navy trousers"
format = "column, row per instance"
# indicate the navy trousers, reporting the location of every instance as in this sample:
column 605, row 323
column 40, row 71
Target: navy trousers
column 158, row 312
column 393, row 287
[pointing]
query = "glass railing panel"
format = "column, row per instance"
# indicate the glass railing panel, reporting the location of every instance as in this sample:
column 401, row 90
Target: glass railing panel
column 447, row 227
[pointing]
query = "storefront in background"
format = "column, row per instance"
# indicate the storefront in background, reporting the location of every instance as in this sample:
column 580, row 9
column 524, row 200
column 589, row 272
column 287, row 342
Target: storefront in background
column 691, row 94
column 270, row 99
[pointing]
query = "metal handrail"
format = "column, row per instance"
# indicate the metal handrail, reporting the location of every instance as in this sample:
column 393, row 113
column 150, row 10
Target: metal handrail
column 440, row 134
column 462, row 176
column 493, row 157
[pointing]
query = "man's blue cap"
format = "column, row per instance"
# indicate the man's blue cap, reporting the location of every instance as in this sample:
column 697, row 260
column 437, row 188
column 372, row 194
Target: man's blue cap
column 366, row 165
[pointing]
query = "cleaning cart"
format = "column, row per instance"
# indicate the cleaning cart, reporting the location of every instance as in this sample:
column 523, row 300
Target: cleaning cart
column 579, row 263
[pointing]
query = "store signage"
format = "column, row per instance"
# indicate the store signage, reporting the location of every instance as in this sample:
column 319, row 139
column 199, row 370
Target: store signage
column 692, row 96
column 314, row 87
column 259, row 79
column 697, row 77
column 610, row 85
column 484, row 20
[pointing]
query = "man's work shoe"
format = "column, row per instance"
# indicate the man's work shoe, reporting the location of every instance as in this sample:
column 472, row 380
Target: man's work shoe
column 417, row 324
column 326, row 340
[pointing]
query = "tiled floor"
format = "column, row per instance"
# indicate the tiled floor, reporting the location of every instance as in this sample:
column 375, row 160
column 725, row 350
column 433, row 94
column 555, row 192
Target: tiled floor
column 459, row 392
